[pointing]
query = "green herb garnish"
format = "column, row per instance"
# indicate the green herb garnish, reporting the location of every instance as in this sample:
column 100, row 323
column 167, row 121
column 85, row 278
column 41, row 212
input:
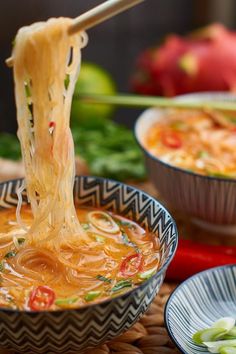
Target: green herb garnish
column 121, row 285
column 110, row 151
column 91, row 295
column 100, row 239
column 102, row 278
column 85, row 226
column 66, row 301
column 148, row 273
column 10, row 254
column 1, row 266
column 202, row 154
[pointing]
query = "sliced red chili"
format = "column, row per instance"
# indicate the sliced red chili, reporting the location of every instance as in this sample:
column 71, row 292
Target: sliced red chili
column 171, row 139
column 131, row 265
column 41, row 298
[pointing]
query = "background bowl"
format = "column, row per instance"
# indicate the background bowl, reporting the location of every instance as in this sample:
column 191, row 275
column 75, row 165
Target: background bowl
column 197, row 303
column 74, row 330
column 210, row 201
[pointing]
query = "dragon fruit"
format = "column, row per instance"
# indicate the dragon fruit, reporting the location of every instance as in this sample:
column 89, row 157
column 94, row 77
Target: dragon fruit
column 203, row 61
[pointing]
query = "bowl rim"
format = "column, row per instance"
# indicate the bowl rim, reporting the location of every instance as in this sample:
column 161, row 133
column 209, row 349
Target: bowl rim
column 177, row 289
column 165, row 164
column 128, row 293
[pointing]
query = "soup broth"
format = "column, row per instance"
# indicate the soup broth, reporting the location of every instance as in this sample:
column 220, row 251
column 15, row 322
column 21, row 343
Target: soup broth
column 202, row 142
column 121, row 255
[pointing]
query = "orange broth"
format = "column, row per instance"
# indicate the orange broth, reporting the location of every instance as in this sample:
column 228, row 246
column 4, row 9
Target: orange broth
column 40, row 280
column 196, row 141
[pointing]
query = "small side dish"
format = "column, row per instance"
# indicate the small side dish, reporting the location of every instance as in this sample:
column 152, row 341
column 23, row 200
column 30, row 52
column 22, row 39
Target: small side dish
column 201, row 142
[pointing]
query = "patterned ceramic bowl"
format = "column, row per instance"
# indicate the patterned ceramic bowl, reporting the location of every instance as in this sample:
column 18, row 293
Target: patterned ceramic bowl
column 67, row 331
column 197, row 303
column 209, row 201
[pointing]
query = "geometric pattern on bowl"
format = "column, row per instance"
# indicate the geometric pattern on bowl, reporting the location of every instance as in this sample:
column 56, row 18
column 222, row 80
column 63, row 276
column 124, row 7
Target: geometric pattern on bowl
column 68, row 331
column 197, row 303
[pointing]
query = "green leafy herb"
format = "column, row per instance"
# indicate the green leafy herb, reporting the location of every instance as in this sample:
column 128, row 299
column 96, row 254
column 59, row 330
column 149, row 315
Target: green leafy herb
column 91, row 295
column 110, row 151
column 102, row 278
column 10, row 254
column 9, row 146
column 121, row 285
column 66, row 301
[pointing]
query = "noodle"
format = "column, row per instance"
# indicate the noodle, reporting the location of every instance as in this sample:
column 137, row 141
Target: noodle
column 45, row 57
column 57, row 256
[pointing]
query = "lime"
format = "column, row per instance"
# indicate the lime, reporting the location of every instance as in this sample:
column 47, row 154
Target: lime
column 96, row 80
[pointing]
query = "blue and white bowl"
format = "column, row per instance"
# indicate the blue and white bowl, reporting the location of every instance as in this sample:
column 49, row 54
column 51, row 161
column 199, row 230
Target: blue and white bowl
column 68, row 331
column 209, row 201
column 197, row 303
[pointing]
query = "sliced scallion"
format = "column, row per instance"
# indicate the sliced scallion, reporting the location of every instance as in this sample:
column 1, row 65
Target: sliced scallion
column 228, row 350
column 227, row 323
column 121, row 285
column 148, row 273
column 10, row 254
column 102, row 278
column 216, row 346
column 66, row 301
column 91, row 295
column 208, row 335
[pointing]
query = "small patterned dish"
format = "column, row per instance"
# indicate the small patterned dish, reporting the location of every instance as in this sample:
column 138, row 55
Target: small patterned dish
column 197, row 303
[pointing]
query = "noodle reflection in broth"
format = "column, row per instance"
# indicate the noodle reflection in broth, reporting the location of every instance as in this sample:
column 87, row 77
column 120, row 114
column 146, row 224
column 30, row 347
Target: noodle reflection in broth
column 54, row 255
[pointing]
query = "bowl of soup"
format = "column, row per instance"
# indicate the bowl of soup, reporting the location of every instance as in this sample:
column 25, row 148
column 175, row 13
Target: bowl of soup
column 191, row 159
column 47, row 306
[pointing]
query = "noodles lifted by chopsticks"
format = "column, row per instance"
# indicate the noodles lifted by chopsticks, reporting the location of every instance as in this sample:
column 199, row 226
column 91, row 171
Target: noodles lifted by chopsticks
column 46, row 65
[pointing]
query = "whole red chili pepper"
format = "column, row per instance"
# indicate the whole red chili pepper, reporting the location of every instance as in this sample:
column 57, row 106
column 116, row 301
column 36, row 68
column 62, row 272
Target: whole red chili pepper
column 192, row 257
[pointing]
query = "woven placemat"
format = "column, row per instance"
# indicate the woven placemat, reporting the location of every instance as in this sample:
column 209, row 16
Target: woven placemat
column 148, row 336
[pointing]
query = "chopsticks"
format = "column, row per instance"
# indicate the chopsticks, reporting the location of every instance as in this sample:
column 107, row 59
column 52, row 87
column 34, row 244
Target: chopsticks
column 138, row 101
column 100, row 13
column 95, row 16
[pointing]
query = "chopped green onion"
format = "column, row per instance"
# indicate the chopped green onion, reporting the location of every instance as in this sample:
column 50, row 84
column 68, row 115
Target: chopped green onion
column 232, row 332
column 123, row 223
column 10, row 254
column 102, row 278
column 148, row 273
column 91, row 295
column 208, row 335
column 66, row 301
column 178, row 125
column 85, row 226
column 215, row 347
column 227, row 350
column 121, row 285
column 1, row 266
column 227, row 323
column 202, row 154
column 100, row 239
